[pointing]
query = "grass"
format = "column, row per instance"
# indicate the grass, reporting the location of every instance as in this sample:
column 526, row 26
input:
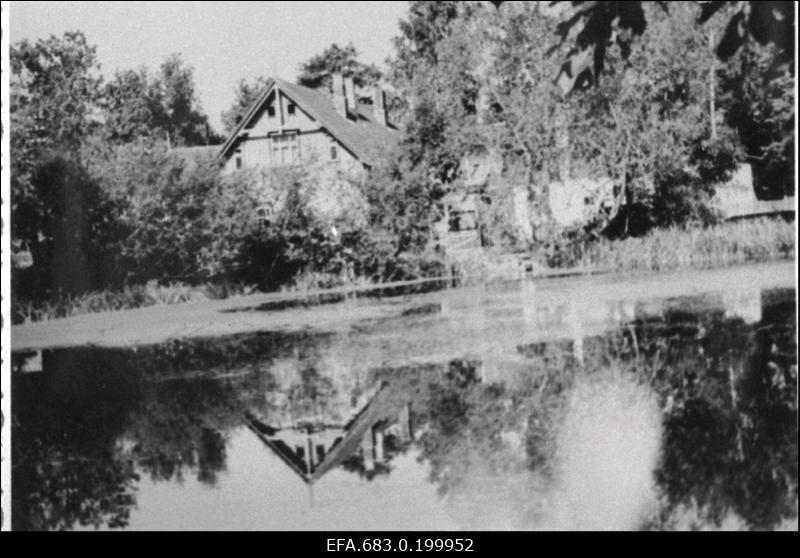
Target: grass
column 313, row 281
column 722, row 245
column 137, row 296
column 676, row 248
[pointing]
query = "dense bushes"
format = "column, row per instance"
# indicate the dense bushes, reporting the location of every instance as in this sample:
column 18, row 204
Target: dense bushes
column 677, row 247
column 139, row 214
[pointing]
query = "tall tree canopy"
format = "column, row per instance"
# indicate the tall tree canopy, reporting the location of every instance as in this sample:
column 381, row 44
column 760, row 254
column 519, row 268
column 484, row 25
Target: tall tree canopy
column 433, row 74
column 186, row 121
column 590, row 27
column 54, row 91
column 133, row 103
column 316, row 72
column 138, row 104
column 762, row 111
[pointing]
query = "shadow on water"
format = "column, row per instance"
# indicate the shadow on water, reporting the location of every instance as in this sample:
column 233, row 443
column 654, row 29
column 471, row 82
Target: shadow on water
column 94, row 424
column 295, row 300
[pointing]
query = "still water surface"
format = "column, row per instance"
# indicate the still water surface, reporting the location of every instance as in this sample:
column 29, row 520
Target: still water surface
column 484, row 408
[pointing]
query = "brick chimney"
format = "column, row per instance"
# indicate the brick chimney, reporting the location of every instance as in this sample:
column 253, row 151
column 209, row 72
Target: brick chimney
column 379, row 105
column 350, row 96
column 339, row 99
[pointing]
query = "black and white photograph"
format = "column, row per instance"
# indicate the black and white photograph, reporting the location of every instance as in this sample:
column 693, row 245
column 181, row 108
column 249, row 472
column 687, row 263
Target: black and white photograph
column 426, row 268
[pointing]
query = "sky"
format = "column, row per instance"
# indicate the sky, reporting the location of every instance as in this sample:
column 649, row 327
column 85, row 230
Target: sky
column 223, row 41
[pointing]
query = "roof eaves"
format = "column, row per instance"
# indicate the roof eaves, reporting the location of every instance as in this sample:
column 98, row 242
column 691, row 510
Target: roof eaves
column 250, row 113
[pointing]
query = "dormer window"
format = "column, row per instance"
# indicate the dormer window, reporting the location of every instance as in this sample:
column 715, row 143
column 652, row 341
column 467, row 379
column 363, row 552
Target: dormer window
column 290, row 109
column 271, row 111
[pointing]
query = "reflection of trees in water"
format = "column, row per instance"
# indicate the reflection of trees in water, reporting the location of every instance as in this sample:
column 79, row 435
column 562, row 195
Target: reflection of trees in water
column 179, row 426
column 84, row 426
column 731, row 427
column 728, row 391
column 65, row 471
column 463, row 422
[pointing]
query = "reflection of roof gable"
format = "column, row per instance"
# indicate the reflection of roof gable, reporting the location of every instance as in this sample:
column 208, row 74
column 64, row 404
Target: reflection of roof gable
column 363, row 136
column 384, row 405
column 266, row 434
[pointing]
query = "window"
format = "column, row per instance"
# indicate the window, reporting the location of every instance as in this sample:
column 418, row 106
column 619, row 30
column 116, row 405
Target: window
column 285, row 149
column 334, row 153
column 290, row 109
column 271, row 111
column 238, row 162
column 264, row 210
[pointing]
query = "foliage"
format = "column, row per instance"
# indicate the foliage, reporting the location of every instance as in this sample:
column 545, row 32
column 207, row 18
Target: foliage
column 317, row 71
column 161, row 225
column 674, row 248
column 650, row 129
column 186, row 123
column 54, row 86
column 759, row 34
column 246, row 95
column 594, row 26
column 427, row 25
column 762, row 112
column 63, row 218
column 53, row 90
column 62, row 305
column 432, row 71
column 134, row 107
column 137, row 105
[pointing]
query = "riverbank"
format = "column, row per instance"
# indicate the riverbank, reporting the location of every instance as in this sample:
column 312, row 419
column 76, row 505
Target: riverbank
column 583, row 295
column 730, row 243
column 723, row 245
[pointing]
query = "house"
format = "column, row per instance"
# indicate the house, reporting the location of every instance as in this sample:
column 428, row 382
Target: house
column 333, row 138
column 291, row 124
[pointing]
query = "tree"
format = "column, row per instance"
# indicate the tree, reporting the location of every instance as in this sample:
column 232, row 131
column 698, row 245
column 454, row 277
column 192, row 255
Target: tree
column 649, row 125
column 186, row 122
column 762, row 111
column 134, row 107
column 434, row 74
column 590, row 29
column 531, row 117
column 246, row 95
column 137, row 104
column 55, row 89
column 168, row 219
column 427, row 25
column 595, row 26
column 316, row 72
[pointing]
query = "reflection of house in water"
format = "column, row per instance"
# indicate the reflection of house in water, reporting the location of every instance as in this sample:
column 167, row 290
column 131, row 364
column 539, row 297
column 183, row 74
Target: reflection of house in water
column 312, row 449
column 572, row 324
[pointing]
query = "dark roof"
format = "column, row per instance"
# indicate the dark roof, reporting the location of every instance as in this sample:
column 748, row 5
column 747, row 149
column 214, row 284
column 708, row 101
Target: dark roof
column 364, row 137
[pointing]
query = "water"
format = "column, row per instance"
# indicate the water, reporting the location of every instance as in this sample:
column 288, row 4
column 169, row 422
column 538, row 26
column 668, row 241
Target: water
column 486, row 408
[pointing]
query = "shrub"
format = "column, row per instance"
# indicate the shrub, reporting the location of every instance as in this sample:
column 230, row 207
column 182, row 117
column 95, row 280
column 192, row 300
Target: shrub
column 677, row 247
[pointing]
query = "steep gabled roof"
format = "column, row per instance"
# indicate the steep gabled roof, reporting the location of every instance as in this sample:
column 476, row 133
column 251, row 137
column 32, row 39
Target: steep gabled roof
column 363, row 136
